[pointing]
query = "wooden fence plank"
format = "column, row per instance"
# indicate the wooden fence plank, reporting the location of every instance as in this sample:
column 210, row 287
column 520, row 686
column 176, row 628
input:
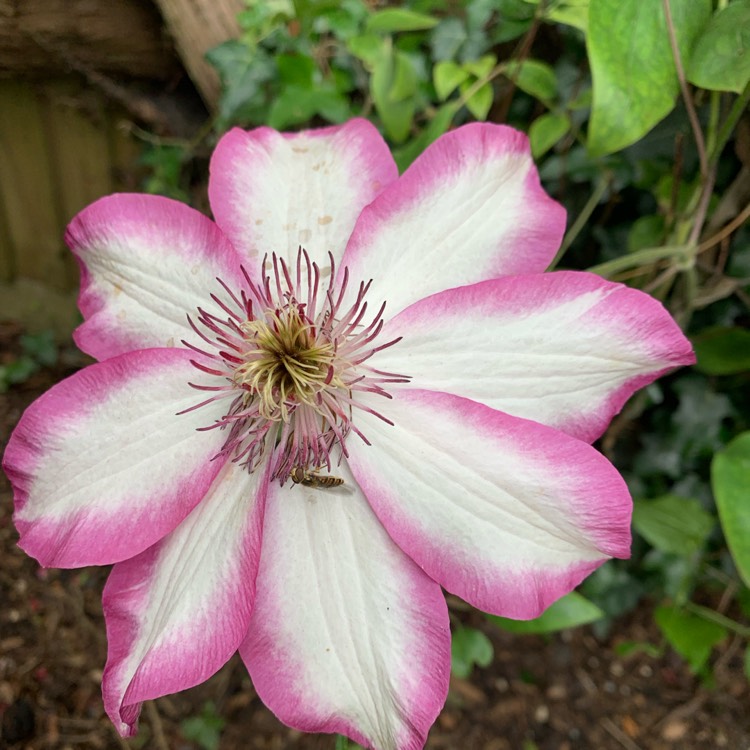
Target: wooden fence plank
column 7, row 262
column 79, row 151
column 27, row 187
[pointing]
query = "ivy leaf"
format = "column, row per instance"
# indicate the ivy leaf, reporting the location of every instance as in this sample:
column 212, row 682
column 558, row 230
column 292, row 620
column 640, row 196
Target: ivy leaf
column 721, row 58
column 296, row 70
column 447, row 38
column 730, row 481
column 635, row 80
column 243, row 73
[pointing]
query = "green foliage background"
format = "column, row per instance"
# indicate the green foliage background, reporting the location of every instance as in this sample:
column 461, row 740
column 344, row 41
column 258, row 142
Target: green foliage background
column 636, row 112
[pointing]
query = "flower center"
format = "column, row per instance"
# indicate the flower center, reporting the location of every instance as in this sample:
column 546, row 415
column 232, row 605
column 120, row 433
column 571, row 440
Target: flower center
column 285, row 363
column 292, row 363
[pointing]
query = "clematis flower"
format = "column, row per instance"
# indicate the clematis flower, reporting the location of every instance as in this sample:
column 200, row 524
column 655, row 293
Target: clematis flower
column 349, row 391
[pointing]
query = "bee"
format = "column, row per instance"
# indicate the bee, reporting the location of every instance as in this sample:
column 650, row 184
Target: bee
column 313, row 479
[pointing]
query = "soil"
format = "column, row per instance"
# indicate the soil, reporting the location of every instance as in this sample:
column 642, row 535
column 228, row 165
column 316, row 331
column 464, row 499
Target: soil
column 570, row 691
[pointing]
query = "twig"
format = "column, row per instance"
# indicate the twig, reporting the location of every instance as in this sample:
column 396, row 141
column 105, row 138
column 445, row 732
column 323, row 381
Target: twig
column 120, row 741
column 156, row 725
column 521, row 53
column 692, row 115
column 619, row 735
column 684, row 709
column 727, row 230
column 702, row 209
column 666, row 275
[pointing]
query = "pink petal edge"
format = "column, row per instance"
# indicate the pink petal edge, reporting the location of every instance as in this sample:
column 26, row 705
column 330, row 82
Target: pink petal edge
column 167, row 629
column 446, row 544
column 292, row 658
column 90, row 536
column 179, row 248
column 269, row 199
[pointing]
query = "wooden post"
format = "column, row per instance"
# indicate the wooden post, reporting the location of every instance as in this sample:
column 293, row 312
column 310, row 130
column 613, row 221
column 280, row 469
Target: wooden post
column 197, row 26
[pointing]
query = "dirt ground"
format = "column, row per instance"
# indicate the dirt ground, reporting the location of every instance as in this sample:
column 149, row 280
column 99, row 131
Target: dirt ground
column 566, row 692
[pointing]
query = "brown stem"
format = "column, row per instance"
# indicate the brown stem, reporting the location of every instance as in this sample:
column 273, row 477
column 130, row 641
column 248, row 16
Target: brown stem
column 727, row 230
column 692, row 115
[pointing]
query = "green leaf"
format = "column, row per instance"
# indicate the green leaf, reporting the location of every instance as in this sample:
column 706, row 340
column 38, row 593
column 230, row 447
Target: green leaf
column 569, row 612
column 635, row 80
column 535, row 78
column 480, row 102
column 296, row 70
column 546, row 131
column 404, row 83
column 368, row 47
column 569, row 12
column 40, row 346
column 730, row 481
column 646, row 231
column 469, row 647
column 691, row 636
column 447, row 38
column 333, row 106
column 243, row 73
column 673, row 524
column 17, row 371
column 481, row 67
column 721, row 57
column 204, row 729
column 722, row 351
column 392, row 20
column 296, row 105
column 627, row 648
column 344, row 743
column 746, row 663
column 438, row 125
column 447, row 76
column 397, row 116
column 293, row 106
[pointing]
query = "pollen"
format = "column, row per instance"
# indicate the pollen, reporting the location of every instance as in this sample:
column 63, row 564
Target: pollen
column 293, row 363
column 288, row 362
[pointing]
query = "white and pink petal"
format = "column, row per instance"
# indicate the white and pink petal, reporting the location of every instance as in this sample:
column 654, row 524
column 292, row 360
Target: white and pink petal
column 506, row 513
column 565, row 349
column 272, row 192
column 178, row 611
column 101, row 465
column 348, row 635
column 469, row 208
column 146, row 263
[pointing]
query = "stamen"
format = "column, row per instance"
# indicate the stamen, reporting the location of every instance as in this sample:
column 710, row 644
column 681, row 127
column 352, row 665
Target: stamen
column 291, row 364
